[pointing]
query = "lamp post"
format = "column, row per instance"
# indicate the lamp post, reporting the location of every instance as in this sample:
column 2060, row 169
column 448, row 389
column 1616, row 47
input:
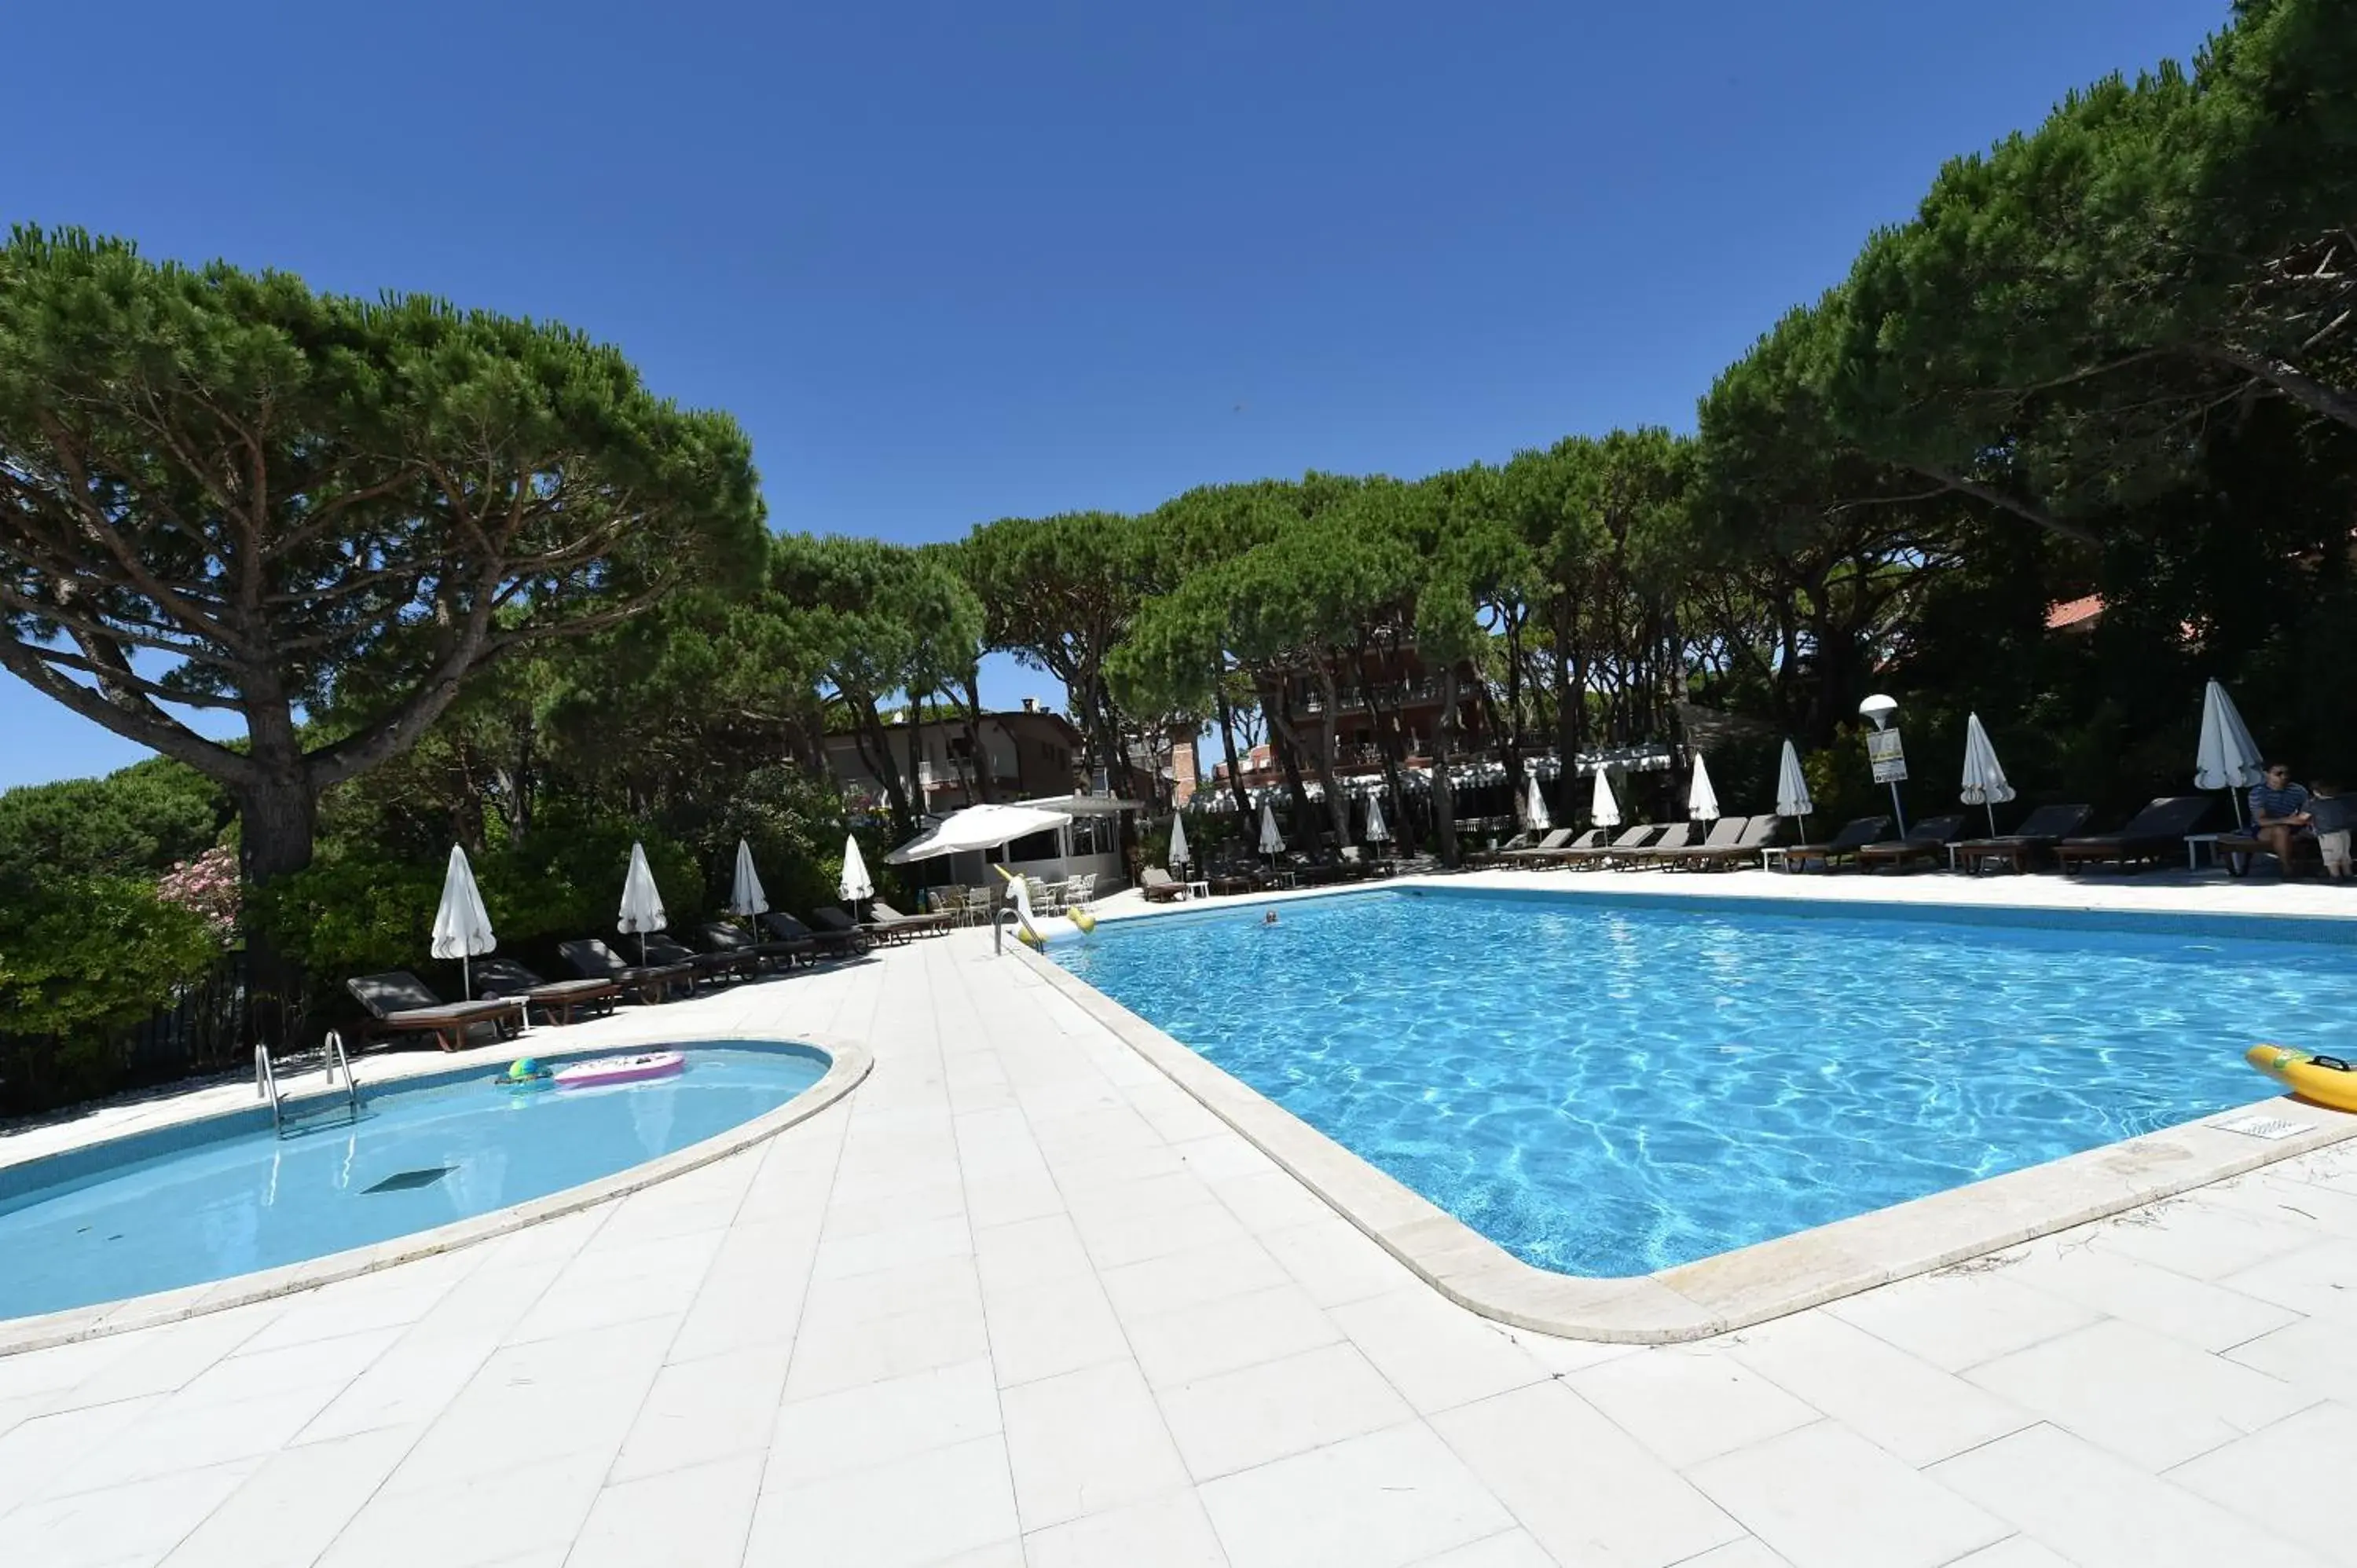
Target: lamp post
column 1884, row 751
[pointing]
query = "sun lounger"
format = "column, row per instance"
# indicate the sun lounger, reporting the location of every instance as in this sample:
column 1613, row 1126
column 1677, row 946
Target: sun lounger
column 662, row 949
column 823, row 944
column 828, row 919
column 593, row 960
column 1540, row 859
column 1491, row 856
column 1653, row 855
column 2239, row 852
column 722, row 936
column 2150, row 836
column 1758, row 834
column 919, row 925
column 401, row 1003
column 1539, row 853
column 1926, row 843
column 1722, row 835
column 2038, row 833
column 1844, row 846
column 1595, row 855
column 560, row 1001
column 1159, row 887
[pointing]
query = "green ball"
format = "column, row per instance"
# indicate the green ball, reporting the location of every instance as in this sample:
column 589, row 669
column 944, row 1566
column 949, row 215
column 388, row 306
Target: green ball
column 524, row 1068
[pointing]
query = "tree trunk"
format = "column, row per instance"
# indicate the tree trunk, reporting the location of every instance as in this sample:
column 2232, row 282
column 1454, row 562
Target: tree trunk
column 969, row 699
column 1337, row 809
column 1570, row 688
column 1228, row 747
column 1390, row 736
column 1444, row 793
column 1289, row 752
column 875, row 750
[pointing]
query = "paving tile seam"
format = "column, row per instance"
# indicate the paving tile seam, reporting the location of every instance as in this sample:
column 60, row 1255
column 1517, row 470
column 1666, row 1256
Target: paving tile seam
column 1121, row 1328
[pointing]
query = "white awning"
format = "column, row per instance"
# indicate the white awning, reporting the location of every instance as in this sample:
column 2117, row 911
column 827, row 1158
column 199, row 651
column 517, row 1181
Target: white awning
column 977, row 828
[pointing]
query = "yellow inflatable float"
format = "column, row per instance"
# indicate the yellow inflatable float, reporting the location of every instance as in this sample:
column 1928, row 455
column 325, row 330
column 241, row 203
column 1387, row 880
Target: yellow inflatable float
column 2322, row 1081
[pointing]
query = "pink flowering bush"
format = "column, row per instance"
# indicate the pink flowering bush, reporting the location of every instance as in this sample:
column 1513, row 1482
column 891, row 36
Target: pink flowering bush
column 207, row 886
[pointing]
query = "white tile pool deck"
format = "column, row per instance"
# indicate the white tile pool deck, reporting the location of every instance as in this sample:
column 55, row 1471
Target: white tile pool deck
column 1019, row 1299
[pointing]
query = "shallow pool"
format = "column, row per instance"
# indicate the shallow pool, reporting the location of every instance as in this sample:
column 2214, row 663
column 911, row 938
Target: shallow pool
column 225, row 1197
column 1610, row 1085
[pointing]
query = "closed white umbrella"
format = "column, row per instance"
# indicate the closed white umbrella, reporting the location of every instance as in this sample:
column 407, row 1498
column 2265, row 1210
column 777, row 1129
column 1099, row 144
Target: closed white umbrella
column 855, row 884
column 642, row 909
column 1702, row 800
column 1378, row 830
column 1985, row 782
column 1271, row 842
column 1793, row 788
column 1534, row 811
column 2228, row 759
column 462, row 927
column 1603, row 811
column 746, row 897
column 1177, row 844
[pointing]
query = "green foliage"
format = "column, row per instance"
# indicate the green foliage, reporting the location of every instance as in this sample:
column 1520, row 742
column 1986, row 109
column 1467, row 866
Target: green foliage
column 91, row 954
column 313, row 501
column 138, row 821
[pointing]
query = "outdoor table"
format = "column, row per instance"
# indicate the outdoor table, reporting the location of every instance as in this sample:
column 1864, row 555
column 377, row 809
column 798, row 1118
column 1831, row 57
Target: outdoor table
column 1771, row 858
column 2193, row 842
column 1199, row 888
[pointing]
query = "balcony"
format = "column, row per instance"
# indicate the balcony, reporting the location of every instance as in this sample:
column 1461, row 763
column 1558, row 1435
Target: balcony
column 1357, row 699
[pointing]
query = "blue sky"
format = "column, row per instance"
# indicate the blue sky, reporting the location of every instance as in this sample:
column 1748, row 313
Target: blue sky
column 954, row 262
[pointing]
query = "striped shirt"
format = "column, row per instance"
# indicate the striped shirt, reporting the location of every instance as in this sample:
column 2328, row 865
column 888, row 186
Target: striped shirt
column 2269, row 802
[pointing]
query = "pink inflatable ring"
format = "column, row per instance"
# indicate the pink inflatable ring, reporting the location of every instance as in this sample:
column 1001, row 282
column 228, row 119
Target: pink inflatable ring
column 620, row 1070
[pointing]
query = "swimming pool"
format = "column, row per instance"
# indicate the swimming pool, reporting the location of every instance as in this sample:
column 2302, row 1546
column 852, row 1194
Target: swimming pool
column 224, row 1197
column 1607, row 1086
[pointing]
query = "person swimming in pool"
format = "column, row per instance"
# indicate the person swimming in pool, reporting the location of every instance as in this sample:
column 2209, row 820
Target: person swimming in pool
column 1269, row 918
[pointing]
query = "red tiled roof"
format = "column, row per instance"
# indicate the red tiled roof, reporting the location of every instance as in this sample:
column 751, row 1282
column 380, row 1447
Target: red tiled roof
column 2072, row 612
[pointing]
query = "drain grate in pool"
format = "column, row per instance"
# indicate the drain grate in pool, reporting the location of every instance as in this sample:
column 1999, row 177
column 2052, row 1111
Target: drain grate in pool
column 2268, row 1127
column 401, row 1181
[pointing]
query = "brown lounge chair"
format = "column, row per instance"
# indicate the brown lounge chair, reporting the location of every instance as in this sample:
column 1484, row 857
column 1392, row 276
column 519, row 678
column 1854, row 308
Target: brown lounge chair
column 708, row 965
column 1159, row 887
column 1549, row 846
column 2239, row 852
column 1649, row 856
column 1757, row 835
column 823, row 944
column 918, row 925
column 1540, row 859
column 559, row 1001
column 400, row 1003
column 721, row 935
column 1482, row 858
column 1926, row 843
column 829, row 920
column 2147, row 838
column 593, row 960
column 1595, row 855
column 1721, row 835
column 832, row 925
column 1855, row 835
column 2038, row 833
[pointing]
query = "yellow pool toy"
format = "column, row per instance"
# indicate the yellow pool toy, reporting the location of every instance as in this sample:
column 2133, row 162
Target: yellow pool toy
column 1026, row 930
column 2320, row 1080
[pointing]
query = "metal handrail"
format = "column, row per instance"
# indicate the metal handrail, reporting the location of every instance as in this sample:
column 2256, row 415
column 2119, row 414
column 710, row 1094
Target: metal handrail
column 265, row 1082
column 333, row 1053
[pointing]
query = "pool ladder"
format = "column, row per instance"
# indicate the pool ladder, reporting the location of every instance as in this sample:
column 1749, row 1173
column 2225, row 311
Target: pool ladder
column 332, row 1060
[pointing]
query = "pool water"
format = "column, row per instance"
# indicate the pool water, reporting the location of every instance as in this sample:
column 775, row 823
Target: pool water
column 202, row 1202
column 1608, row 1086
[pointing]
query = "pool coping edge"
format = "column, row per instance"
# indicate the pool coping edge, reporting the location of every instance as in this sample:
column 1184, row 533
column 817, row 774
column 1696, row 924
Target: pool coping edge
column 848, row 1064
column 1731, row 1290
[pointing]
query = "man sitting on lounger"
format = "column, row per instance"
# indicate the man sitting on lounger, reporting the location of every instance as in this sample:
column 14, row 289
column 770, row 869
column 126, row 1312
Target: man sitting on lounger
column 2278, row 813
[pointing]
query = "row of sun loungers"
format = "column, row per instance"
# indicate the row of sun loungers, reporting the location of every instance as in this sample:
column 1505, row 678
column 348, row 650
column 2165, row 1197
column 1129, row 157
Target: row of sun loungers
column 2050, row 832
column 398, row 1002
